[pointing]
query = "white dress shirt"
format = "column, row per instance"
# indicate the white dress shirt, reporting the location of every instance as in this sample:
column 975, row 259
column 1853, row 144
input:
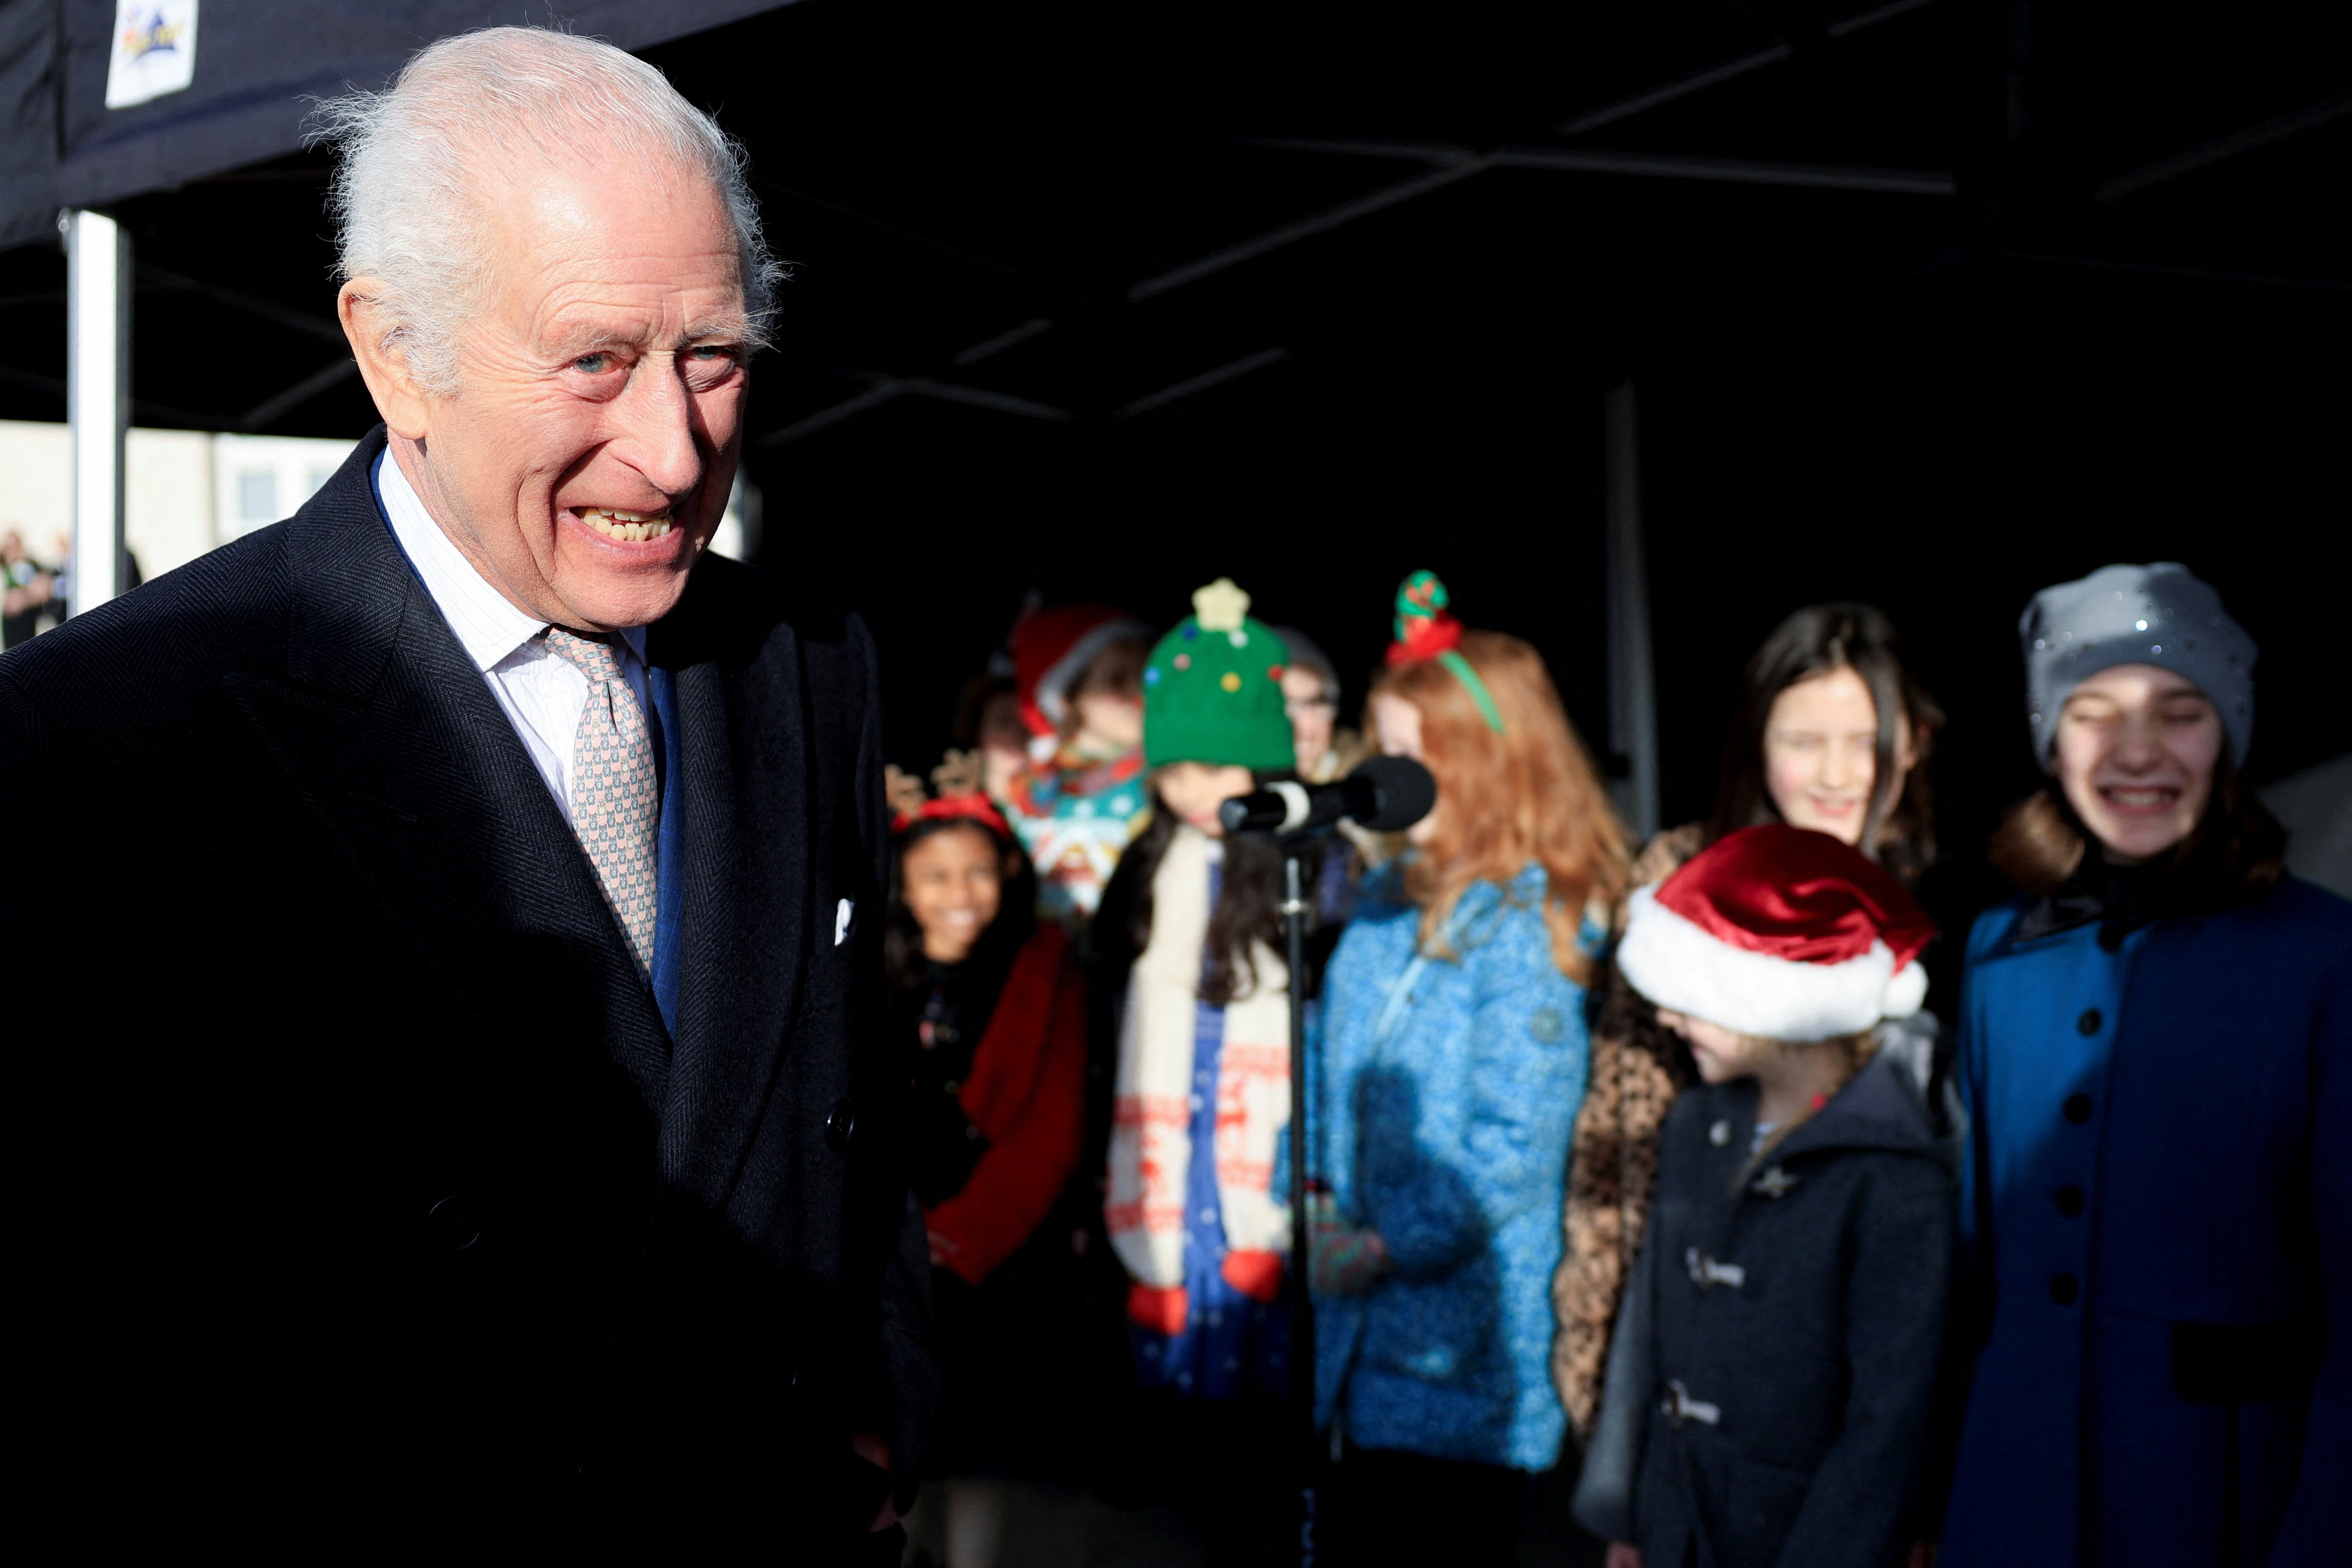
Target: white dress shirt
column 542, row 694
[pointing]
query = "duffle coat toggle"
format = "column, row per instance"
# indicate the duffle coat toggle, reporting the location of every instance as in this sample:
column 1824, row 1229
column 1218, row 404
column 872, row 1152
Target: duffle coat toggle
column 1775, row 1182
column 1678, row 1407
column 1706, row 1273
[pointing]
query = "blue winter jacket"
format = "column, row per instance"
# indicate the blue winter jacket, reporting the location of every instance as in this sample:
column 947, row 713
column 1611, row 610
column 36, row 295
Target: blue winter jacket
column 1445, row 1091
column 2157, row 1207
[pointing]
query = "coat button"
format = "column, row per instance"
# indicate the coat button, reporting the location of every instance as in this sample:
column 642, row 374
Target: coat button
column 1719, row 1134
column 452, row 1220
column 2063, row 1289
column 2070, row 1200
column 840, row 1124
column 2078, row 1108
column 2089, row 1022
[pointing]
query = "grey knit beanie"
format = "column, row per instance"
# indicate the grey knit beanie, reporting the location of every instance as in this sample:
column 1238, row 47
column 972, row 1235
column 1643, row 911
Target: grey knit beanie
column 2161, row 614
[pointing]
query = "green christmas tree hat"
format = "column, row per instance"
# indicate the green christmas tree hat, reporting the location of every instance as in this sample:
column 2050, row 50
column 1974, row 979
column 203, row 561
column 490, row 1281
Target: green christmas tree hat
column 1213, row 691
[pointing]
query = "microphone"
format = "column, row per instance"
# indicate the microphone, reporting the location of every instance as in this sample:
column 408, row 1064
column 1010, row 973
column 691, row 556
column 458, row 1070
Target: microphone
column 1383, row 794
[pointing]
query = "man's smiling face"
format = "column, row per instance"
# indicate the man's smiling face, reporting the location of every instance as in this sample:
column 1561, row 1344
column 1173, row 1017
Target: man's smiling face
column 585, row 456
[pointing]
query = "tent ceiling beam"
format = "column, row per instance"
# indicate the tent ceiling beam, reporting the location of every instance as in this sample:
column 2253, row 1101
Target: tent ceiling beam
column 2204, row 155
column 1728, row 70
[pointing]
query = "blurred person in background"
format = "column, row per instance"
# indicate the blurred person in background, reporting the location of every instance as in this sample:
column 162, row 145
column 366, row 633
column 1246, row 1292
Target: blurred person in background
column 1831, row 732
column 987, row 1012
column 26, row 589
column 1310, row 695
column 988, row 723
column 535, row 865
column 2155, row 1057
column 1451, row 1062
column 1080, row 798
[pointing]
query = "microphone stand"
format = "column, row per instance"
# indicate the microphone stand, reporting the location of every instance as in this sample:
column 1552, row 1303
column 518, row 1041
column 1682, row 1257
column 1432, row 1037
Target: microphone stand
column 1301, row 1317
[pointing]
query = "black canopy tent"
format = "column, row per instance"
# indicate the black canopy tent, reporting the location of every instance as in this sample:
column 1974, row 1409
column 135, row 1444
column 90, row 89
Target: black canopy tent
column 1314, row 296
column 259, row 64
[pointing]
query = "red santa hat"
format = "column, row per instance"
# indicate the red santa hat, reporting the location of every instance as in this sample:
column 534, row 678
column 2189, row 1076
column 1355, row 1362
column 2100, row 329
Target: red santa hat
column 1051, row 648
column 1780, row 933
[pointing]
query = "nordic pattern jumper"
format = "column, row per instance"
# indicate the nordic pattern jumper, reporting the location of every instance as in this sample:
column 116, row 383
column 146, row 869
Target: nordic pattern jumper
column 1444, row 1094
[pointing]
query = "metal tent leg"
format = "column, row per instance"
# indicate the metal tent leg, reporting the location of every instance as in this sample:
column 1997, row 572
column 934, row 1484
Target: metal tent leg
column 98, row 399
column 1633, row 679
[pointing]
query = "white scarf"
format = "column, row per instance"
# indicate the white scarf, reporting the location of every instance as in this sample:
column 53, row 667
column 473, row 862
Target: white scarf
column 1151, row 1141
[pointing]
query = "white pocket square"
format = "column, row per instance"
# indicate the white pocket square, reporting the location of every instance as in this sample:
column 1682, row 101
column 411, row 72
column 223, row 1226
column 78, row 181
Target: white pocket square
column 840, row 921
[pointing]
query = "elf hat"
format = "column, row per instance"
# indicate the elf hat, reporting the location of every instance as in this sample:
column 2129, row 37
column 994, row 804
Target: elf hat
column 1051, row 648
column 1780, row 933
column 1213, row 691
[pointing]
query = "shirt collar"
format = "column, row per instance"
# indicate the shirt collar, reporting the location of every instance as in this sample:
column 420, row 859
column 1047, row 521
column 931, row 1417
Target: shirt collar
column 490, row 629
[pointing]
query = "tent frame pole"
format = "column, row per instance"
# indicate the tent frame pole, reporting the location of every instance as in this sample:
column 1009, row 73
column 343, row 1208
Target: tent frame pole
column 98, row 400
column 1633, row 674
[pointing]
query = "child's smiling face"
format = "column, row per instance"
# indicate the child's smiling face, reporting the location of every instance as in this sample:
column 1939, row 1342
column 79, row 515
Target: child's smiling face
column 953, row 883
column 1194, row 791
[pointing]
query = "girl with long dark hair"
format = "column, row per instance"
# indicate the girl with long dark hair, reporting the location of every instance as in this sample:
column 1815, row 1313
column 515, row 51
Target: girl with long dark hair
column 1832, row 734
column 1194, row 1002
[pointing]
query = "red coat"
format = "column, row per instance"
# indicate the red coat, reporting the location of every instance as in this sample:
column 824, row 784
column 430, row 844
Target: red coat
column 1025, row 1093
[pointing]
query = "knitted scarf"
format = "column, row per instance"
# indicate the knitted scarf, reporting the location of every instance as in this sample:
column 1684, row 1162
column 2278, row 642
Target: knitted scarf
column 1150, row 1142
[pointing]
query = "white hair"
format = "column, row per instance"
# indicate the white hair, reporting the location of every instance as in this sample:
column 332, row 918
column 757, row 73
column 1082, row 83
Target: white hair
column 411, row 193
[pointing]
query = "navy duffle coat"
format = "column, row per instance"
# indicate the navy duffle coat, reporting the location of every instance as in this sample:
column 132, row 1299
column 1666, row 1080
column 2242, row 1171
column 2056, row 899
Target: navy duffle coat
column 2157, row 1219
column 1773, row 1379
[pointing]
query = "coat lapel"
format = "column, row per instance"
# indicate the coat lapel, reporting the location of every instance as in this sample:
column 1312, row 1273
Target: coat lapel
column 395, row 742
column 742, row 711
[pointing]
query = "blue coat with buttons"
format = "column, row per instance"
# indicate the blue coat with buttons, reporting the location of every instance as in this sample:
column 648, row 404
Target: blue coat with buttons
column 1444, row 1096
column 2159, row 1216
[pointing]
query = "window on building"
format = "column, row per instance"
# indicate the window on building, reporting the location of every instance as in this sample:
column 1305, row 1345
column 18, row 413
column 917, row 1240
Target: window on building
column 256, row 495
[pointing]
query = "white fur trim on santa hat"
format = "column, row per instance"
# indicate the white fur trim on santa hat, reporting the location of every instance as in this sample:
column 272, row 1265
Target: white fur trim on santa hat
column 1685, row 969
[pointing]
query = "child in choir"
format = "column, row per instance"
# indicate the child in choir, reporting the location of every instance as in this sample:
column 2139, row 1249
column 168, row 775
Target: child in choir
column 1769, row 1391
column 2156, row 1055
column 1450, row 1062
column 1078, row 672
column 987, row 1010
column 1189, row 941
column 1831, row 732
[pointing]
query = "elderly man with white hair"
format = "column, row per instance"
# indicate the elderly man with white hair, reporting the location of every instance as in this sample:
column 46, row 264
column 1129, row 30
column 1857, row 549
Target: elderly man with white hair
column 460, row 1097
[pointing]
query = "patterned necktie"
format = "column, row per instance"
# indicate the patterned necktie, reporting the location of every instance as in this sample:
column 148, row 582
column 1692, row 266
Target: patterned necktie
column 616, row 803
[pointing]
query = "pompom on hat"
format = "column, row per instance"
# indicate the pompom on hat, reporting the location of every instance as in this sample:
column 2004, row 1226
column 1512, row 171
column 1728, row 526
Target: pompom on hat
column 1051, row 648
column 1780, row 933
column 1427, row 628
column 1212, row 689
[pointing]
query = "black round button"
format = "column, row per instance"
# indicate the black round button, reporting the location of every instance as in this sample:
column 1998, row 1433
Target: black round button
column 2078, row 1108
column 2089, row 1022
column 2070, row 1200
column 2063, row 1289
column 452, row 1220
column 840, row 1124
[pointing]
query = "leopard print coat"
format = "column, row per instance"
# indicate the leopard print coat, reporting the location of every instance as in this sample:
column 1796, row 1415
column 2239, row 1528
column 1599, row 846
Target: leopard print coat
column 1637, row 1070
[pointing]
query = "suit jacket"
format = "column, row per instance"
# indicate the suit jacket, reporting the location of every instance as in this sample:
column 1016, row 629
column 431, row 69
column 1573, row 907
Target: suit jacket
column 371, row 1171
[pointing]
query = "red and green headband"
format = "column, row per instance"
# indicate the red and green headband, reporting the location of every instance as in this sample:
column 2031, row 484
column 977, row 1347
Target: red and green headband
column 1426, row 630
